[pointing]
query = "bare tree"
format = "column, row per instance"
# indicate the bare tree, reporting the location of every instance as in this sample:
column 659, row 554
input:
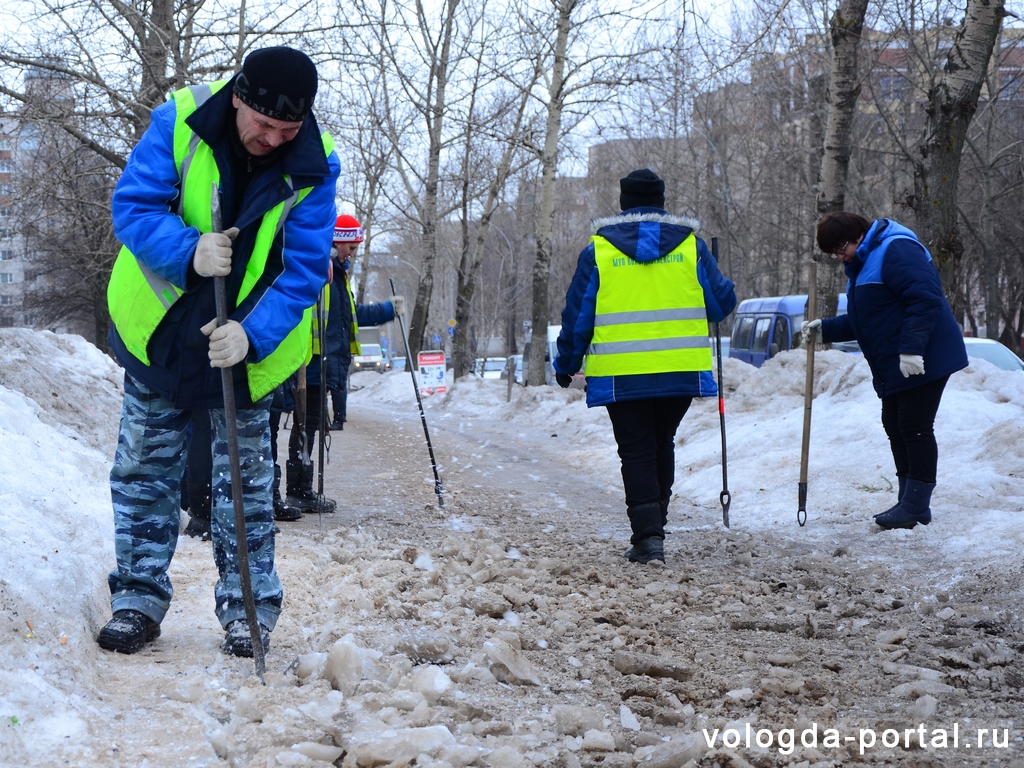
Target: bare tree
column 952, row 105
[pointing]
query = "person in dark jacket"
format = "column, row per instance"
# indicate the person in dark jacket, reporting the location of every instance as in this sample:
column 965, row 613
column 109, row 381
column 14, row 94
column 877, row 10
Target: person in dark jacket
column 638, row 309
column 343, row 318
column 251, row 147
column 346, row 317
column 898, row 313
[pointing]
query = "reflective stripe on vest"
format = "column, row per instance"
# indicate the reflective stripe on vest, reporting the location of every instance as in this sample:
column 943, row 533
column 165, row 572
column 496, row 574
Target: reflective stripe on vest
column 138, row 299
column 354, row 346
column 649, row 316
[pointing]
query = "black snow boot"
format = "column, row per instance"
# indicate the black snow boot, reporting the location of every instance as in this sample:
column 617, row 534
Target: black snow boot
column 913, row 509
column 899, row 498
column 646, row 550
column 199, row 501
column 337, row 425
column 282, row 511
column 648, row 538
column 127, row 632
column 299, row 488
column 238, row 641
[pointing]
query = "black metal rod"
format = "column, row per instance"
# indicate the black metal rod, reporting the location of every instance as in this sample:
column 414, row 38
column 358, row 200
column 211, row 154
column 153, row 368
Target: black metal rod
column 237, row 492
column 438, row 486
column 724, row 497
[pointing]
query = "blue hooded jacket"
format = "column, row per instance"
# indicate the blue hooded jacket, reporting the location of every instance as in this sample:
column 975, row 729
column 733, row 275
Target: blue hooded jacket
column 296, row 268
column 645, row 234
column 895, row 305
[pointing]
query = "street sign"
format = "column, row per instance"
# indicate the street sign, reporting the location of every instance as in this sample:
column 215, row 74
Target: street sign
column 436, row 339
column 451, row 331
column 432, row 368
column 451, row 323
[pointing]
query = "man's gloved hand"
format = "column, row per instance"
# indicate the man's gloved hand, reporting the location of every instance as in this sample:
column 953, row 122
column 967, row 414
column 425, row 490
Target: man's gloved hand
column 911, row 365
column 398, row 302
column 563, row 379
column 228, row 344
column 807, row 325
column 213, row 254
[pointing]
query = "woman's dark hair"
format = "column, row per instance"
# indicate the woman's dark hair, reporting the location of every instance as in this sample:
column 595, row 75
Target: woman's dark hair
column 840, row 227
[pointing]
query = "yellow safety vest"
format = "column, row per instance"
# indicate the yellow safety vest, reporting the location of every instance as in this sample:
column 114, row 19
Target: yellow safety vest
column 649, row 317
column 138, row 299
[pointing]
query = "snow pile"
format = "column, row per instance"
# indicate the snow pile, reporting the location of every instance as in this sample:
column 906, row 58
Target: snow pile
column 481, row 643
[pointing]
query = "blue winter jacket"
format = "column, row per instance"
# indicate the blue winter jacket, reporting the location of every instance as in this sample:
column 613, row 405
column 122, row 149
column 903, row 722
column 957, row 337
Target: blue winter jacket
column 296, row 268
column 895, row 305
column 644, row 234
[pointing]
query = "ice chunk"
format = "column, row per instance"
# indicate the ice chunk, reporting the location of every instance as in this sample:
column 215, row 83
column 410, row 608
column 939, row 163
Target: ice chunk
column 575, row 721
column 628, row 719
column 501, row 653
column 402, row 745
column 432, row 682
column 347, row 664
column 598, row 741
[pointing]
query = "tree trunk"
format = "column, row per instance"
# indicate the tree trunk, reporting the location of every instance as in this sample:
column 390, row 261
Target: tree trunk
column 843, row 92
column 545, row 223
column 425, row 289
column 951, row 106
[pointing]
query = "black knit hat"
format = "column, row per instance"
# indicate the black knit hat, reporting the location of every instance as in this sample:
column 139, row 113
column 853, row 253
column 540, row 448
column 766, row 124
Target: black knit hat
column 642, row 187
column 278, row 82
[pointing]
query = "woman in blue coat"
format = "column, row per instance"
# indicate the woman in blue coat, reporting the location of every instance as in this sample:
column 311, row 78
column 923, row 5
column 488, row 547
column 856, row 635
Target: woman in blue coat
column 898, row 313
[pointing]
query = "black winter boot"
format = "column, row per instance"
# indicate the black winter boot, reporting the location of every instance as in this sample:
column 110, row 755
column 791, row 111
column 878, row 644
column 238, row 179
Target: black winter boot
column 127, row 632
column 199, row 501
column 299, row 488
column 913, row 509
column 648, row 533
column 238, row 641
column 282, row 511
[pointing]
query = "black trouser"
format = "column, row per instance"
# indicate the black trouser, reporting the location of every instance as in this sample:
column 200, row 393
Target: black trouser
column 909, row 419
column 312, row 424
column 337, row 385
column 645, row 432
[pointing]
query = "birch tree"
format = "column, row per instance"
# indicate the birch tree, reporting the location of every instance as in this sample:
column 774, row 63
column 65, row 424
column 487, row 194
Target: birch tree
column 951, row 106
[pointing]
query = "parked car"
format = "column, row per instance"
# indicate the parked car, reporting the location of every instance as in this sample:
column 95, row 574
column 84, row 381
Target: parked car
column 371, row 359
column 996, row 353
column 764, row 327
column 489, row 367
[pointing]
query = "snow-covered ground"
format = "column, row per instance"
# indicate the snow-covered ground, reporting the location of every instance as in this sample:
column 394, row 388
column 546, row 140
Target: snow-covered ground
column 531, row 482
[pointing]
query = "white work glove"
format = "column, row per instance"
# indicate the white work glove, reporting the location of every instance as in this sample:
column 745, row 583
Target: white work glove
column 213, row 254
column 807, row 325
column 228, row 343
column 398, row 302
column 911, row 365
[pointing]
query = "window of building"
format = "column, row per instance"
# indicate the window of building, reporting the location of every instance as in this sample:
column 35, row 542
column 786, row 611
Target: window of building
column 6, row 277
column 6, row 210
column 5, row 189
column 6, row 255
column 6, row 166
column 6, row 300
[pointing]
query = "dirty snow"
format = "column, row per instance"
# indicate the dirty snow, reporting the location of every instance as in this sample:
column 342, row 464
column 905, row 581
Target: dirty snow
column 506, row 629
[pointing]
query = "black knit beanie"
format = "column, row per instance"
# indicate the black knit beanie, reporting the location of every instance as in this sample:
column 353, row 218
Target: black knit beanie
column 642, row 187
column 278, row 82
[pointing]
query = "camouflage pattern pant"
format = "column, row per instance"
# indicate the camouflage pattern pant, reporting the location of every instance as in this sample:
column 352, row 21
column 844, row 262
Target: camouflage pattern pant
column 145, row 487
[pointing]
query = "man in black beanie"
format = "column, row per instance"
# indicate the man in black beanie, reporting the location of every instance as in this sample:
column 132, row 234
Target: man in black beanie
column 638, row 308
column 252, row 145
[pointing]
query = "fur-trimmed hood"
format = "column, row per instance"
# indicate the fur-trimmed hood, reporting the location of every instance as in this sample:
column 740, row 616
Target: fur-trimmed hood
column 645, row 233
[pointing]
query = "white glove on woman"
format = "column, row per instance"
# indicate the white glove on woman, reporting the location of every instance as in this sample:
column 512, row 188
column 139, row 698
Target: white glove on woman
column 806, row 325
column 228, row 343
column 213, row 253
column 398, row 302
column 911, row 365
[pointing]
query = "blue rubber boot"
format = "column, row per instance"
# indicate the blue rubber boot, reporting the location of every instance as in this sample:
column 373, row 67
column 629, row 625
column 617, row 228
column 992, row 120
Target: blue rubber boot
column 913, row 509
column 899, row 498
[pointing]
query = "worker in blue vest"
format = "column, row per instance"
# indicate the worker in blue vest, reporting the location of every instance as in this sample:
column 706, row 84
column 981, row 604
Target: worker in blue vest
column 253, row 141
column 638, row 309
